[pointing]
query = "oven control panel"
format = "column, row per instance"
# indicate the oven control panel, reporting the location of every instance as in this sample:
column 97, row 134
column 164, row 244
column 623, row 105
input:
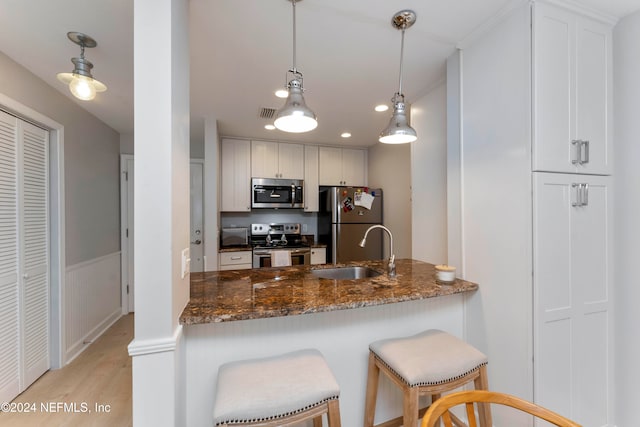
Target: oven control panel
column 267, row 229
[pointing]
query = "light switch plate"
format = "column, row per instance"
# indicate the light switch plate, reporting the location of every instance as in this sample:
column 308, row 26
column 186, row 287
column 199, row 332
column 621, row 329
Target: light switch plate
column 186, row 262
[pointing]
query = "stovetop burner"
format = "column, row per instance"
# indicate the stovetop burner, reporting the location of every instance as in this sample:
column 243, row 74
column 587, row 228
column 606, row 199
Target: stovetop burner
column 268, row 236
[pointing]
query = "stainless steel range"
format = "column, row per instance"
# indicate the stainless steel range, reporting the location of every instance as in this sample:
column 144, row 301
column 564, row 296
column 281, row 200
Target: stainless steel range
column 268, row 238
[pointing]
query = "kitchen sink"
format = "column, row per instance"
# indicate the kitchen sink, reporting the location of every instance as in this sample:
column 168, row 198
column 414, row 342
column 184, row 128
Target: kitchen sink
column 345, row 273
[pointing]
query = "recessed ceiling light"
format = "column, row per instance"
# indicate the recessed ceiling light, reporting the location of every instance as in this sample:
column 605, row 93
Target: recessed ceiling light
column 282, row 93
column 345, row 135
column 381, row 107
column 269, row 127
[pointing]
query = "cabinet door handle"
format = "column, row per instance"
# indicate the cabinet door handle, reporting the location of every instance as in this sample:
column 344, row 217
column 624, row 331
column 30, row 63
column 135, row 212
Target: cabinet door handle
column 584, row 159
column 576, row 201
column 577, row 143
column 235, row 258
column 585, row 194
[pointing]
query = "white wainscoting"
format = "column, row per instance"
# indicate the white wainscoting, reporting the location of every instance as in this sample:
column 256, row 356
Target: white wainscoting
column 92, row 302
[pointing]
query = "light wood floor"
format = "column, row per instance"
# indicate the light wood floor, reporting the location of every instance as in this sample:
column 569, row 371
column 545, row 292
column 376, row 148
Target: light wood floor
column 101, row 375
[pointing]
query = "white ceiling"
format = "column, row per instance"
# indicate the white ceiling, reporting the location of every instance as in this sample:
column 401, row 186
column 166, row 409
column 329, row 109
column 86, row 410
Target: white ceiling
column 240, row 51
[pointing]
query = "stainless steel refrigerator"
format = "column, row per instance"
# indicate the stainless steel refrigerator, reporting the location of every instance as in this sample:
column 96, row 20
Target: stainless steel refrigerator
column 345, row 215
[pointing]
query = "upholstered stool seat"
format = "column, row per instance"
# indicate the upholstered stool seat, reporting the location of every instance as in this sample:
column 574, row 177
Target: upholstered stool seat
column 429, row 363
column 275, row 391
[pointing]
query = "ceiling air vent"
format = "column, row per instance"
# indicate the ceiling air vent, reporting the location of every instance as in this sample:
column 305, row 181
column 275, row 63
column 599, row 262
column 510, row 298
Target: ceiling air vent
column 267, row 113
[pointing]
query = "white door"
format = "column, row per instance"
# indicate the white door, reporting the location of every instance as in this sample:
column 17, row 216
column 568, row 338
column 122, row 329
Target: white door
column 593, row 95
column 330, row 166
column 554, row 44
column 235, row 175
column 353, row 167
column 291, row 161
column 197, row 234
column 572, row 302
column 24, row 255
column 34, row 250
column 127, row 233
column 10, row 331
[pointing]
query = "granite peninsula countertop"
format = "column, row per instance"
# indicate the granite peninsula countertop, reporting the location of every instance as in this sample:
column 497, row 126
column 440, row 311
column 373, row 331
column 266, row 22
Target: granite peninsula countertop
column 223, row 296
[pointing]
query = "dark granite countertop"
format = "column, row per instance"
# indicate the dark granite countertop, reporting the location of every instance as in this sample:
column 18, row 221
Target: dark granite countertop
column 223, row 296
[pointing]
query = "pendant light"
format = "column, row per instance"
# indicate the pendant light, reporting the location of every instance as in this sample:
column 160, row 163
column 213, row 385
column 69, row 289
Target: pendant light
column 81, row 83
column 295, row 116
column 398, row 131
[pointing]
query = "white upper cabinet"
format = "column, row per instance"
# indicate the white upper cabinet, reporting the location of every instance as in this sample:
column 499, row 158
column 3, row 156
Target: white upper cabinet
column 235, row 179
column 277, row 160
column 342, row 166
column 572, row 82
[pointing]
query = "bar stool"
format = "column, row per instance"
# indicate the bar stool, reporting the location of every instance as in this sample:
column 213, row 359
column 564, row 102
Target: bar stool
column 277, row 391
column 429, row 363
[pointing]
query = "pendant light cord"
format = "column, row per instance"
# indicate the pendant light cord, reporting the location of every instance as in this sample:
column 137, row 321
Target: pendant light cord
column 401, row 57
column 293, row 3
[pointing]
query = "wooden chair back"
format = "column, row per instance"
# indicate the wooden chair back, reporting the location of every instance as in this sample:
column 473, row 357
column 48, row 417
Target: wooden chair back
column 440, row 408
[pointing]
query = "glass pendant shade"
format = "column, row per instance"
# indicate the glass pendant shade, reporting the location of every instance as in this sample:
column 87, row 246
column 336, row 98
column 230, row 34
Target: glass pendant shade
column 295, row 116
column 81, row 83
column 398, row 130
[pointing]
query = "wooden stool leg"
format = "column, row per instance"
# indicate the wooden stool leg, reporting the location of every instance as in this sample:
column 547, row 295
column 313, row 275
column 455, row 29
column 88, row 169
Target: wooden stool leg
column 484, row 409
column 410, row 407
column 435, row 397
column 317, row 421
column 333, row 416
column 372, row 391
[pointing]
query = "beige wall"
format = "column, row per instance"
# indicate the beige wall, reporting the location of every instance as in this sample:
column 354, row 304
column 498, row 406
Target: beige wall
column 91, row 179
column 390, row 169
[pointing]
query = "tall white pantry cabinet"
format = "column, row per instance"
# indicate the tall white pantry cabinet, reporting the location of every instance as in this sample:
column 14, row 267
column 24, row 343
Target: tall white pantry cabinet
column 535, row 164
column 24, row 255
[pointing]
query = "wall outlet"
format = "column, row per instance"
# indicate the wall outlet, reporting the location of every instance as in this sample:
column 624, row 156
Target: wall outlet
column 186, row 263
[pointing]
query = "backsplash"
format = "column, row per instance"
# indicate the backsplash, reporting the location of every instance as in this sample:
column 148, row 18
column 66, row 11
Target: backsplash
column 309, row 221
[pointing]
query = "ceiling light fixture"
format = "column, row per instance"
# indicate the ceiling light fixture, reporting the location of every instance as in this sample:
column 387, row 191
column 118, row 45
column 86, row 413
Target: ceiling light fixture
column 295, row 116
column 345, row 135
column 282, row 93
column 381, row 107
column 269, row 127
column 398, row 131
column 81, row 83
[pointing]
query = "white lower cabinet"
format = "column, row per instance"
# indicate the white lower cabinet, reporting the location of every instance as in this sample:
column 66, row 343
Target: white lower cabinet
column 239, row 260
column 318, row 256
column 573, row 319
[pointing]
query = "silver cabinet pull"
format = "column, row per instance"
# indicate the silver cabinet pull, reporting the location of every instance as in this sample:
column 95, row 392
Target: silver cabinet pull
column 578, row 150
column 582, row 195
column 584, row 160
column 235, row 258
column 585, row 194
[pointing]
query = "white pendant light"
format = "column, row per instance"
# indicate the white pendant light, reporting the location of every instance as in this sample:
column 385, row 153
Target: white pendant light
column 81, row 83
column 398, row 130
column 295, row 116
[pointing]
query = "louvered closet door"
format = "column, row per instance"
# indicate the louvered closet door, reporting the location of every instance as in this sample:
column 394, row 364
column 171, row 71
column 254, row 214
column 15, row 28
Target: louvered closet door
column 9, row 325
column 34, row 251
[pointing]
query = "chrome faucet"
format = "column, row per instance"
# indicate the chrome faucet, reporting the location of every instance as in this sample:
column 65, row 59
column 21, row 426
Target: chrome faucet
column 391, row 268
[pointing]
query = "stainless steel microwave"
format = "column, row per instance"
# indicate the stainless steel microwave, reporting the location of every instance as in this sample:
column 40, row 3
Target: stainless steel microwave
column 277, row 193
